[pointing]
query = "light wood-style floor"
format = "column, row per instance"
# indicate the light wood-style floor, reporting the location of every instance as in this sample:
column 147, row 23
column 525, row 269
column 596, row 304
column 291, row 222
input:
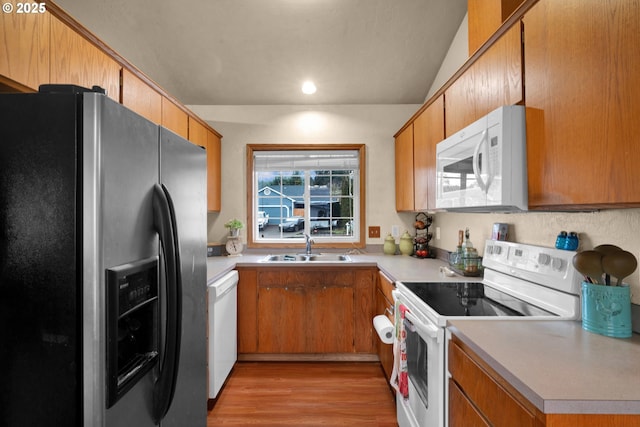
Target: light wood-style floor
column 305, row 394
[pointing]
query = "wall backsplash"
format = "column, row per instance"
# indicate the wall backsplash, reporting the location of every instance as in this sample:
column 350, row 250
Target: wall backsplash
column 620, row 227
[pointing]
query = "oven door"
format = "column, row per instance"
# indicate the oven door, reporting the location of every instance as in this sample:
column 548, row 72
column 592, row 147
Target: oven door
column 425, row 363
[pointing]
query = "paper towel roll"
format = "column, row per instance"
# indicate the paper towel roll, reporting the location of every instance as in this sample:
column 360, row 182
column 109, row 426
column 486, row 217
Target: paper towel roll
column 384, row 328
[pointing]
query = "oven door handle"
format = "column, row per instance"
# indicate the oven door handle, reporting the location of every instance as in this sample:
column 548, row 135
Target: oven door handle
column 430, row 330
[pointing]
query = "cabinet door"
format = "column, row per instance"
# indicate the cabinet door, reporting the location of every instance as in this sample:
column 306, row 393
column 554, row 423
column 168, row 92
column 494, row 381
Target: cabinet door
column 140, row 97
column 200, row 135
column 404, row 169
column 428, row 130
column 214, row 172
column 384, row 302
column 75, row 60
column 247, row 311
column 495, row 79
column 328, row 316
column 582, row 91
column 174, row 118
column 24, row 48
column 281, row 316
column 485, row 17
column 364, row 310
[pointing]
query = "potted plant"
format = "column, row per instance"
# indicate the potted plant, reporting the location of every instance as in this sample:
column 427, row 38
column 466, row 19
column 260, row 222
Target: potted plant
column 234, row 227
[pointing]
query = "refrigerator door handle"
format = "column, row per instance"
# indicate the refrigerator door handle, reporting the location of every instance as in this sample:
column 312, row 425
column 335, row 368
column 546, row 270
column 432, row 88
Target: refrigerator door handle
column 165, row 225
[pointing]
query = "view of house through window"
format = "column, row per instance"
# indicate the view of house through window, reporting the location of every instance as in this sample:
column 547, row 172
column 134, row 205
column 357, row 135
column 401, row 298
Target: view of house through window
column 314, row 192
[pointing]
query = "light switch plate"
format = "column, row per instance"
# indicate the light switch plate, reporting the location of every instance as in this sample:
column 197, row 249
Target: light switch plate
column 374, row 231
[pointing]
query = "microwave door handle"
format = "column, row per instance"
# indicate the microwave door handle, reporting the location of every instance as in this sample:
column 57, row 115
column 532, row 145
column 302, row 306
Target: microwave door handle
column 484, row 186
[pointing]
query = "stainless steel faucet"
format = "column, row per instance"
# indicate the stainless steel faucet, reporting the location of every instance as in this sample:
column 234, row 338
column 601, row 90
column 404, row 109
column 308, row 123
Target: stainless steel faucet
column 309, row 242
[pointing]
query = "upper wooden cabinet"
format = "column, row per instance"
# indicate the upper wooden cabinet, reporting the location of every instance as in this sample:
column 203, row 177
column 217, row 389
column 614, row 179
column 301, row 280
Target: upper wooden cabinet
column 24, row 49
column 428, row 130
column 202, row 136
column 404, row 169
column 494, row 80
column 582, row 91
column 415, row 159
column 74, row 60
column 140, row 97
column 485, row 17
column 174, row 118
column 214, row 172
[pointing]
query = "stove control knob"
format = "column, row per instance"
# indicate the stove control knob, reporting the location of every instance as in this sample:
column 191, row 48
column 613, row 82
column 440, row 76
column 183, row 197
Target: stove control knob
column 544, row 259
column 556, row 264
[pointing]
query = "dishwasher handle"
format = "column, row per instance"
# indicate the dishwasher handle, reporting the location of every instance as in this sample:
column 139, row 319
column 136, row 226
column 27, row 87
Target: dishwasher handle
column 224, row 285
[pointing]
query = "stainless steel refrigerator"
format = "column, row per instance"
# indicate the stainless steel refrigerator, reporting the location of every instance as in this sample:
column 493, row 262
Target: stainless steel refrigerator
column 102, row 265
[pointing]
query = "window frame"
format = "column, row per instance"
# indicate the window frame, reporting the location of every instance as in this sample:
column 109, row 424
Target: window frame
column 252, row 242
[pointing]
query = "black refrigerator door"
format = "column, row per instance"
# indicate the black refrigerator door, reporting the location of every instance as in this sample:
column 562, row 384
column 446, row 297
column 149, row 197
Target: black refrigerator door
column 40, row 365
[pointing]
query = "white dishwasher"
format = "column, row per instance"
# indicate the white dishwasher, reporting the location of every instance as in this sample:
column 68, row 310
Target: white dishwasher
column 223, row 330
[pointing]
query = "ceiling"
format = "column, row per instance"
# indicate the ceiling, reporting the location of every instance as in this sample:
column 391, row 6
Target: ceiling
column 259, row 52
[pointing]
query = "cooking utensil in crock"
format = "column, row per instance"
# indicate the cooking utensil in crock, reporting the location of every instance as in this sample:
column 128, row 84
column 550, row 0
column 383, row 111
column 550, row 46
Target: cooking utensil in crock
column 589, row 263
column 607, row 249
column 619, row 264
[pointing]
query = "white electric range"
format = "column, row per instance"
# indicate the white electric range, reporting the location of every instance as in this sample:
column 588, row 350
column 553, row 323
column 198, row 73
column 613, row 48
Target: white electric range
column 525, row 281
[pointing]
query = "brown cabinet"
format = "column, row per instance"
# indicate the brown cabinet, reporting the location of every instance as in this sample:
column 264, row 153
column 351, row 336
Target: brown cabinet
column 582, row 91
column 494, row 80
column 305, row 310
column 485, row 17
column 24, row 49
column 415, row 149
column 404, row 169
column 384, row 306
column 174, row 118
column 200, row 135
column 75, row 60
column 479, row 396
column 140, row 97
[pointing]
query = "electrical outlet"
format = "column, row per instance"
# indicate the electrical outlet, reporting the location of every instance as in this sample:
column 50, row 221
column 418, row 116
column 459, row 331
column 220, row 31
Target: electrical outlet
column 437, row 233
column 374, row 231
column 395, row 231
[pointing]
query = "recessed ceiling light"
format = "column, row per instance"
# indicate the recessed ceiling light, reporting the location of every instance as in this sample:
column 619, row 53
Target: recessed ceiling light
column 308, row 87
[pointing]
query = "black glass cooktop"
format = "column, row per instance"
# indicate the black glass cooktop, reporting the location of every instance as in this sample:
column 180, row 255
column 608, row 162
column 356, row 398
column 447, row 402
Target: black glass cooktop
column 471, row 299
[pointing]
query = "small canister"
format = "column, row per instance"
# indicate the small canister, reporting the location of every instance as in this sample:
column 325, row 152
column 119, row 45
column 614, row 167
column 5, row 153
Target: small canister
column 389, row 247
column 406, row 244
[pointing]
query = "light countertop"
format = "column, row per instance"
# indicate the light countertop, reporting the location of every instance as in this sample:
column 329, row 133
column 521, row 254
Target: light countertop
column 558, row 366
column 397, row 267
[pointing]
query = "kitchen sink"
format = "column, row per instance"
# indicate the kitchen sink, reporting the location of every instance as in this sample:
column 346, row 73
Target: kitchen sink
column 307, row 258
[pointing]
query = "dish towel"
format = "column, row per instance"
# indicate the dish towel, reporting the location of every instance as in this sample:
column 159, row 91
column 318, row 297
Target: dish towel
column 400, row 373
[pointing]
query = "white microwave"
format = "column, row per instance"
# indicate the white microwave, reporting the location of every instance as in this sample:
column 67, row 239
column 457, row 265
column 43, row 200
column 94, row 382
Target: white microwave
column 483, row 167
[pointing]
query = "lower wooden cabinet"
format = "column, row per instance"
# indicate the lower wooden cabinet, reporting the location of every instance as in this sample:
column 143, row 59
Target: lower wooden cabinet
column 284, row 310
column 479, row 396
column 384, row 306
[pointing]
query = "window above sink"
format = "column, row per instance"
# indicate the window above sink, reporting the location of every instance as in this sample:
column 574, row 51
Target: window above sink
column 306, row 189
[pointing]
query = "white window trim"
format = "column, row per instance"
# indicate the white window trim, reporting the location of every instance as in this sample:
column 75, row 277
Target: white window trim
column 355, row 240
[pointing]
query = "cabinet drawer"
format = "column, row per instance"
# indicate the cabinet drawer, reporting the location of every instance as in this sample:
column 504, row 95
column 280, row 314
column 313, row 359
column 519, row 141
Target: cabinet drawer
column 498, row 406
column 386, row 286
column 462, row 413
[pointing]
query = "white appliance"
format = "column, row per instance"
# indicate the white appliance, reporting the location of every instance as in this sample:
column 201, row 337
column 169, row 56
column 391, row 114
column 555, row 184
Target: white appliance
column 520, row 280
column 223, row 330
column 483, row 167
